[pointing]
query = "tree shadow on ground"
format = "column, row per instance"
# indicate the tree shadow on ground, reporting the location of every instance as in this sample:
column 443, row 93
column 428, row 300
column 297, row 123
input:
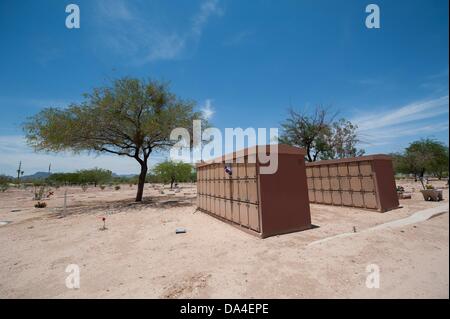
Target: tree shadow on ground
column 118, row 206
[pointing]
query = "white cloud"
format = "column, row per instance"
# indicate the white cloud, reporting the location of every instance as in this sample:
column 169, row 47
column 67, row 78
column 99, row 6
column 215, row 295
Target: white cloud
column 436, row 83
column 125, row 29
column 411, row 112
column 116, row 9
column 410, row 120
column 238, row 38
column 207, row 9
column 387, row 135
column 207, row 110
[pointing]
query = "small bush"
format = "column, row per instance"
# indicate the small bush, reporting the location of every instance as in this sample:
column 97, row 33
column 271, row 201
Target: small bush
column 102, row 187
column 429, row 186
column 40, row 205
column 4, row 182
column 117, row 187
column 84, row 187
column 400, row 189
column 39, row 191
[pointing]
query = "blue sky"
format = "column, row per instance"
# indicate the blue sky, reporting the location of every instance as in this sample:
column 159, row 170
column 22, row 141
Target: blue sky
column 246, row 62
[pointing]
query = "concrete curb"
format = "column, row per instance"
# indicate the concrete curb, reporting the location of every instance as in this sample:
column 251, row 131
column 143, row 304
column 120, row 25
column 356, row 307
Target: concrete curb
column 417, row 217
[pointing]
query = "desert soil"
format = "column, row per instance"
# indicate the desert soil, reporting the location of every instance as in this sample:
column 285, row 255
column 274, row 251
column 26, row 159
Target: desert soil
column 140, row 256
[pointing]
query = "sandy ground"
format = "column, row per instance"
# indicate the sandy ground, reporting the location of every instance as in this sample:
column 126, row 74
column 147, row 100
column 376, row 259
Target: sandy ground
column 140, row 256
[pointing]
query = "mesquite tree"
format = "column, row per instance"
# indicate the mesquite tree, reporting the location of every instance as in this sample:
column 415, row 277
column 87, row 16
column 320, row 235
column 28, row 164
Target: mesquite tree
column 426, row 156
column 321, row 135
column 173, row 172
column 131, row 118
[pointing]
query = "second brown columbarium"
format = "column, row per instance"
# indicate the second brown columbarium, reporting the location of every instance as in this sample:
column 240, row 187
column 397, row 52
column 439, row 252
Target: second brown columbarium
column 261, row 204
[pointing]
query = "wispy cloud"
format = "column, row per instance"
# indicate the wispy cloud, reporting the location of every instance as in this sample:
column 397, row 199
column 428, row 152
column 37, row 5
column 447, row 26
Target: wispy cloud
column 11, row 102
column 436, row 83
column 207, row 9
column 116, row 9
column 417, row 118
column 238, row 38
column 411, row 112
column 125, row 29
column 386, row 136
column 368, row 81
column 439, row 75
column 207, row 110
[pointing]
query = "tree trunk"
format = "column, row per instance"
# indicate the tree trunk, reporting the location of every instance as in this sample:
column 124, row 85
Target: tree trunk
column 142, row 176
column 308, row 154
column 422, row 173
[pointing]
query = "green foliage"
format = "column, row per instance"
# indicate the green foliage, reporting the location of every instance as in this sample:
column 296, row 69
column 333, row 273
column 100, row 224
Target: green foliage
column 117, row 187
column 321, row 136
column 173, row 172
column 4, row 182
column 125, row 179
column 342, row 140
column 64, row 178
column 39, row 191
column 130, row 118
column 5, row 179
column 426, row 156
column 93, row 176
column 153, row 178
column 400, row 189
column 193, row 177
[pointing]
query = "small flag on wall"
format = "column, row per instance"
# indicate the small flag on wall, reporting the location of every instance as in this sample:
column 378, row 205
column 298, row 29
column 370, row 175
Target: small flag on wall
column 228, row 170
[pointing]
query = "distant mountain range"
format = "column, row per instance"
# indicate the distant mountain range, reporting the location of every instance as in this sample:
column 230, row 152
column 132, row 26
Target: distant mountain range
column 35, row 176
column 44, row 175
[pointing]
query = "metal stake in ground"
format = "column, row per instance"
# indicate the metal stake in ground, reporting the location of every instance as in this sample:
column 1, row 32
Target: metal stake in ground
column 104, row 224
column 65, row 202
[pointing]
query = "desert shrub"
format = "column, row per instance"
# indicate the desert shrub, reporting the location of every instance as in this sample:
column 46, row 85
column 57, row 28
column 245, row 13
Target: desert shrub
column 102, row 187
column 117, row 187
column 4, row 182
column 39, row 191
column 25, row 186
column 429, row 186
column 400, row 189
column 40, row 205
column 84, row 187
